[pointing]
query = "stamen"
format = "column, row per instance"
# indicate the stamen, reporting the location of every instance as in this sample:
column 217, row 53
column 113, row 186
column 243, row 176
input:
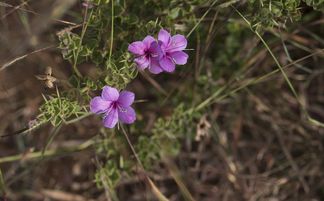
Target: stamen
column 121, row 109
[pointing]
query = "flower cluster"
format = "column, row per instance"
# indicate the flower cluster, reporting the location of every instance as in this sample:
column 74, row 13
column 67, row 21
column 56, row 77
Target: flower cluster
column 157, row 55
column 160, row 55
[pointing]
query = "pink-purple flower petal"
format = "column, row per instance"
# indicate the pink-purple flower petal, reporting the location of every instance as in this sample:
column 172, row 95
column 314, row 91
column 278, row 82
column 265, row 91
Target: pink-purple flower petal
column 148, row 40
column 127, row 115
column 115, row 106
column 110, row 93
column 137, row 48
column 99, row 105
column 180, row 57
column 126, row 98
column 178, row 43
column 164, row 36
column 167, row 64
column 110, row 120
column 155, row 67
column 142, row 62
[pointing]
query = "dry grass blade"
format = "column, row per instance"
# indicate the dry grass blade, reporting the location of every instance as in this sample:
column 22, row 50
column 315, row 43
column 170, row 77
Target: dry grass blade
column 175, row 173
column 154, row 188
column 156, row 191
column 154, row 83
column 292, row 162
column 284, row 74
column 63, row 196
column 2, row 184
column 48, row 153
column 6, row 65
column 14, row 8
column 30, row 11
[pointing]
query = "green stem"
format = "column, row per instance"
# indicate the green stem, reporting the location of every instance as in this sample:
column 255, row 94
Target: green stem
column 112, row 30
column 215, row 96
column 49, row 153
column 201, row 19
column 2, row 184
column 77, row 118
column 84, row 28
column 303, row 108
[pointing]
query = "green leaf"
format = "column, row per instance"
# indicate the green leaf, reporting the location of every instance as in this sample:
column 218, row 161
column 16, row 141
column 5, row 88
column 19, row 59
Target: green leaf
column 316, row 4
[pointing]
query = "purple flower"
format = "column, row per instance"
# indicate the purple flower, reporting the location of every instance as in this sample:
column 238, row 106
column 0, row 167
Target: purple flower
column 147, row 53
column 115, row 106
column 161, row 55
column 172, row 50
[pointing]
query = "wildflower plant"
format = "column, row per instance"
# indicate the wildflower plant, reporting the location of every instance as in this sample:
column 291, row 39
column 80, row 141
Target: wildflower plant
column 95, row 42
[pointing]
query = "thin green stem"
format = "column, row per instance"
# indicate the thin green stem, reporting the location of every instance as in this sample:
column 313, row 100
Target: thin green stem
column 112, row 30
column 201, row 19
column 215, row 96
column 132, row 147
column 209, row 99
column 303, row 108
column 77, row 118
column 280, row 67
column 49, row 153
column 53, row 134
column 2, row 184
column 84, row 28
column 155, row 190
column 272, row 55
column 222, row 5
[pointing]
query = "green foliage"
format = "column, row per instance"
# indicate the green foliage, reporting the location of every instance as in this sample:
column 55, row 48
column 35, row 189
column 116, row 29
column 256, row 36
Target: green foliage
column 166, row 136
column 148, row 150
column 69, row 43
column 121, row 73
column 58, row 110
column 112, row 149
column 316, row 4
column 269, row 13
column 105, row 22
column 165, row 140
column 229, row 48
column 94, row 45
column 108, row 176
